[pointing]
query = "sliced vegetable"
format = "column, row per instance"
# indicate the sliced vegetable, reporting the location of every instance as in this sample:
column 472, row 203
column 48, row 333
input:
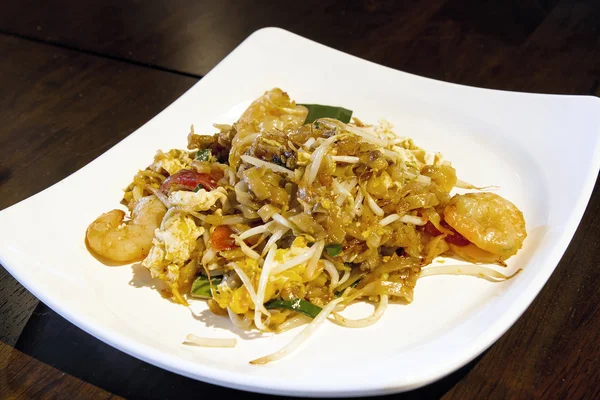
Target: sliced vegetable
column 457, row 239
column 316, row 111
column 431, row 229
column 201, row 286
column 221, row 238
column 299, row 305
column 454, row 238
column 197, row 188
column 209, row 181
column 333, row 249
column 188, row 179
column 203, row 155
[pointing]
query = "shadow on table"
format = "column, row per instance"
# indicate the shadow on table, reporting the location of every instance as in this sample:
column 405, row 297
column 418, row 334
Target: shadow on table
column 53, row 340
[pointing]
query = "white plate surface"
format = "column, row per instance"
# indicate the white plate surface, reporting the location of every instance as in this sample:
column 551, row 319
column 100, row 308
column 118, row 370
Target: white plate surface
column 541, row 150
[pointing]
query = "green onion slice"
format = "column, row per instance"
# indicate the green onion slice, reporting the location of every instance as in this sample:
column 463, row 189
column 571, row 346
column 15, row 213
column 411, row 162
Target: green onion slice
column 316, row 111
column 333, row 249
column 203, row 155
column 299, row 305
column 201, row 286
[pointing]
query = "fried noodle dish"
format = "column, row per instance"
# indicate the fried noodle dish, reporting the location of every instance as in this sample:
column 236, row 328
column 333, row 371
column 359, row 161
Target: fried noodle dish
column 296, row 211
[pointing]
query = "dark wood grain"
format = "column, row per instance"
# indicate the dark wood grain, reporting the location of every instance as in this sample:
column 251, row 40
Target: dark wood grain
column 16, row 305
column 59, row 110
column 509, row 45
column 193, row 36
column 23, row 377
column 82, row 75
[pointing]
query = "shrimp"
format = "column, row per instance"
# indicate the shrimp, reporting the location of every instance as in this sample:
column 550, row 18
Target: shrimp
column 108, row 237
column 490, row 222
column 273, row 110
column 475, row 255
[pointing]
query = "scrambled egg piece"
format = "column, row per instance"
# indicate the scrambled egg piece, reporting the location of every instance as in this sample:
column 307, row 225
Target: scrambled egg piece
column 239, row 299
column 175, row 241
column 171, row 161
column 200, row 200
column 406, row 158
column 379, row 185
column 303, row 158
column 290, row 283
column 299, row 246
column 172, row 247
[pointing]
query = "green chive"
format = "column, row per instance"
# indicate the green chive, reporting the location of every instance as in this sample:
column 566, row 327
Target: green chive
column 299, row 305
column 201, row 286
column 203, row 155
column 316, row 111
column 333, row 249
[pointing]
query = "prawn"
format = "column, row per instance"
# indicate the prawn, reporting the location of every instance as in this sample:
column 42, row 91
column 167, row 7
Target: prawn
column 490, row 222
column 108, row 237
column 273, row 110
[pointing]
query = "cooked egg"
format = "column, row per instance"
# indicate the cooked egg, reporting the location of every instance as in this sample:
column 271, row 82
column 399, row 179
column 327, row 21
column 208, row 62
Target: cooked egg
column 200, row 200
column 172, row 246
column 171, row 161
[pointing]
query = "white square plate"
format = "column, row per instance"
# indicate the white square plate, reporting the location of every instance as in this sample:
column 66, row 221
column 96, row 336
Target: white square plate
column 541, row 150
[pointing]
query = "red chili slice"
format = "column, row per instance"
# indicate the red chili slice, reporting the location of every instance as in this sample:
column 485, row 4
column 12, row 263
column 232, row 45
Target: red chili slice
column 187, row 179
column 456, row 238
column 221, row 238
column 431, row 229
column 216, row 175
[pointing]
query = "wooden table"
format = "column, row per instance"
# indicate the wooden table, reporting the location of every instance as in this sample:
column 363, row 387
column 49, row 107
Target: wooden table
column 77, row 77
